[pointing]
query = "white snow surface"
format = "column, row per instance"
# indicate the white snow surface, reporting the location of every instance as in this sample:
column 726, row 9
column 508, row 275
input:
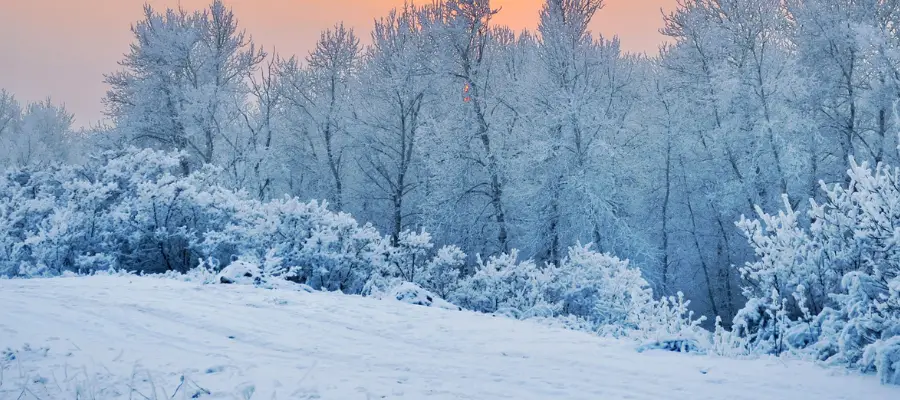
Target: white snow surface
column 136, row 337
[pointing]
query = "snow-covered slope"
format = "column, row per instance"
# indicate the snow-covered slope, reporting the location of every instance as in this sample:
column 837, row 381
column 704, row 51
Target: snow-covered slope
column 136, row 338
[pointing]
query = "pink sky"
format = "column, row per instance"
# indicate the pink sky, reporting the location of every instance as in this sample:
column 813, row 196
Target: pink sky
column 62, row 48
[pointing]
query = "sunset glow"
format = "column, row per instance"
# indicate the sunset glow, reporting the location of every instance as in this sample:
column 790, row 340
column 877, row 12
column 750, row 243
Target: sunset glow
column 63, row 48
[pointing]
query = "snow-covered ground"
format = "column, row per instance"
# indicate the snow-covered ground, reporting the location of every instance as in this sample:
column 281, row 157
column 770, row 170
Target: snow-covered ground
column 130, row 337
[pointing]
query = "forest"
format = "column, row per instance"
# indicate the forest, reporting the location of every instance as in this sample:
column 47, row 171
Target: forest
column 746, row 167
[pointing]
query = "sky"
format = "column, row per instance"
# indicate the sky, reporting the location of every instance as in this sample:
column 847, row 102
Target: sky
column 62, row 48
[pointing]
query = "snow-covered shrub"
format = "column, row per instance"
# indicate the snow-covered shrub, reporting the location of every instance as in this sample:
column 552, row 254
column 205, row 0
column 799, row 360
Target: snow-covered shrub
column 137, row 209
column 841, row 274
column 28, row 198
column 762, row 325
column 408, row 263
column 129, row 208
column 505, row 285
column 305, row 241
column 443, row 272
column 724, row 342
column 410, row 255
column 884, row 356
column 602, row 289
column 159, row 221
column 787, row 258
column 861, row 321
column 591, row 290
column 670, row 320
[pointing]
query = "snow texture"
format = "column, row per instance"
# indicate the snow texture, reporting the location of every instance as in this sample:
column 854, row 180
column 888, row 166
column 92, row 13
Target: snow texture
column 139, row 337
column 411, row 293
column 240, row 272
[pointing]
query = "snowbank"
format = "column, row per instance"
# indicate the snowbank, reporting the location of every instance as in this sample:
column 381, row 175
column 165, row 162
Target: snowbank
column 109, row 337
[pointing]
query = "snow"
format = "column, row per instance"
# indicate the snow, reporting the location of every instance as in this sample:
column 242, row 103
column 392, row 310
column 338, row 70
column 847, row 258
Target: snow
column 240, row 272
column 131, row 337
column 410, row 293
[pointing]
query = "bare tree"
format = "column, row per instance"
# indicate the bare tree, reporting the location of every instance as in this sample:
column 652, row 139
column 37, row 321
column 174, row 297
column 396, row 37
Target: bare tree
column 321, row 94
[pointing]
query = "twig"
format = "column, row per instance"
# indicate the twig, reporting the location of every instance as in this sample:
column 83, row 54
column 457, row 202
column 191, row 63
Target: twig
column 131, row 385
column 56, row 381
column 308, row 371
column 179, row 387
column 196, row 386
column 32, row 393
column 133, row 390
column 152, row 384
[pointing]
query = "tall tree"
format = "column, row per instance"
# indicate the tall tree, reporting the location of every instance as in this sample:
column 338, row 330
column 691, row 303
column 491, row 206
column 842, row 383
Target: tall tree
column 395, row 88
column 321, row 95
column 182, row 81
column 40, row 133
column 461, row 33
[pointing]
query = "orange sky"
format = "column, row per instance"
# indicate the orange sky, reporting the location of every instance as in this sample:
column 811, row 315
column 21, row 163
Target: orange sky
column 62, row 48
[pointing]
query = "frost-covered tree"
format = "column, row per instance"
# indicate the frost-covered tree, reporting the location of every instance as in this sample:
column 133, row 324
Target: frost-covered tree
column 732, row 69
column 586, row 95
column 566, row 51
column 10, row 112
column 260, row 166
column 320, row 104
column 467, row 48
column 849, row 92
column 396, row 88
column 183, row 81
column 40, row 133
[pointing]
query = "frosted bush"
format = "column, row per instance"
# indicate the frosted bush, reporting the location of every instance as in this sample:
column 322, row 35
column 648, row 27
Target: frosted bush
column 135, row 208
column 504, row 283
column 409, row 255
column 670, row 319
column 841, row 272
column 443, row 272
column 884, row 357
column 304, row 242
column 591, row 290
column 602, row 289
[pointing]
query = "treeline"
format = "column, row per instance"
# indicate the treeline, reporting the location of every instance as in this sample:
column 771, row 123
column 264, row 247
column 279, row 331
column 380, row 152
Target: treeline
column 494, row 140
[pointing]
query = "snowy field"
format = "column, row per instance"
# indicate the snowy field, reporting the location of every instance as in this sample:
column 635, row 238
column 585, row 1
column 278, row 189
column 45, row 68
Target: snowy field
column 148, row 338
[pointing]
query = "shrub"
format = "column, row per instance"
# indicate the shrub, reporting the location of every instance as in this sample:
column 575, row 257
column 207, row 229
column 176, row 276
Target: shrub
column 842, row 273
column 136, row 209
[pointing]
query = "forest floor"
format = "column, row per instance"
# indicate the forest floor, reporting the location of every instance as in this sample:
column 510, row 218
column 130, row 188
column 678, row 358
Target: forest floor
column 151, row 338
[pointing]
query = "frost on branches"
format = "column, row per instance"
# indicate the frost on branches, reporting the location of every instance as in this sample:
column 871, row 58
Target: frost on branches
column 137, row 210
column 829, row 285
column 587, row 291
